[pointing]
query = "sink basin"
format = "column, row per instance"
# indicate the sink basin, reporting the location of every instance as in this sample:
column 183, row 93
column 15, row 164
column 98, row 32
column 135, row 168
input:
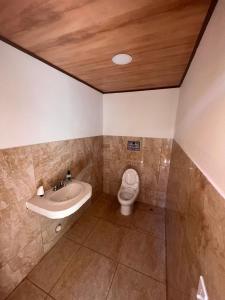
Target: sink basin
column 62, row 203
column 67, row 193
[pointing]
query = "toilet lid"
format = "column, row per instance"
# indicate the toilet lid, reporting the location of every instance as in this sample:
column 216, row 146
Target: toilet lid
column 130, row 177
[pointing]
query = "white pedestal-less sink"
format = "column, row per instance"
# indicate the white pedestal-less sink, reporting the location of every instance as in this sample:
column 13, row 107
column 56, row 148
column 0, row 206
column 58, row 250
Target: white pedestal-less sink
column 63, row 202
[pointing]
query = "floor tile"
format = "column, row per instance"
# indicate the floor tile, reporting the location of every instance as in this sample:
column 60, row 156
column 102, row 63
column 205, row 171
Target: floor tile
column 88, row 276
column 149, row 208
column 106, row 239
column 26, row 291
column 69, row 271
column 174, row 294
column 82, row 228
column 108, row 208
column 131, row 285
column 150, row 222
column 115, row 216
column 47, row 272
column 144, row 253
column 101, row 207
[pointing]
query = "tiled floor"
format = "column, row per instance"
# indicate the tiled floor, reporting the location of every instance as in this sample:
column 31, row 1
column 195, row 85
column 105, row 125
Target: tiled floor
column 104, row 256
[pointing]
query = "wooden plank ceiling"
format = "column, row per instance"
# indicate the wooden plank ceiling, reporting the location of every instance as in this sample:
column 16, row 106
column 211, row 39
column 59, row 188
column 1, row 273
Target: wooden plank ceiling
column 80, row 37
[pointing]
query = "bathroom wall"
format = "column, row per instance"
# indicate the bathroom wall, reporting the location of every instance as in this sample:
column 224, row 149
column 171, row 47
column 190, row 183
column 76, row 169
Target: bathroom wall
column 151, row 162
column 49, row 123
column 26, row 236
column 195, row 218
column 195, row 231
column 149, row 117
column 40, row 104
column 200, row 119
column 144, row 113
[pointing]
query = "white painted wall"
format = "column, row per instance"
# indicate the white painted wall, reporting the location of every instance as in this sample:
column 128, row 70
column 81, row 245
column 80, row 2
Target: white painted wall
column 200, row 126
column 40, row 104
column 145, row 113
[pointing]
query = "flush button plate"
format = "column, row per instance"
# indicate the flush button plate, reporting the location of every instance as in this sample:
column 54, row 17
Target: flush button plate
column 133, row 145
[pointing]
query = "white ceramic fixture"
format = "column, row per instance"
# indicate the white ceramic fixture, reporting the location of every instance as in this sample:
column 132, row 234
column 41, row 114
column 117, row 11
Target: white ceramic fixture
column 122, row 59
column 128, row 191
column 202, row 292
column 63, row 202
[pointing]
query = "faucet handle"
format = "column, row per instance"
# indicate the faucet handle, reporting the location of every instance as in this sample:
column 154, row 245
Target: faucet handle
column 62, row 183
column 68, row 175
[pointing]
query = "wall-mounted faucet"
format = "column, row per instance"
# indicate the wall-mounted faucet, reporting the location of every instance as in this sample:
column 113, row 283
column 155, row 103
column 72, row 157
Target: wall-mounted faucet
column 59, row 185
column 64, row 182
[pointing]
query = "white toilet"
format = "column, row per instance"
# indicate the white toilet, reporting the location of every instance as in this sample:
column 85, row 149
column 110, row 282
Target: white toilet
column 128, row 191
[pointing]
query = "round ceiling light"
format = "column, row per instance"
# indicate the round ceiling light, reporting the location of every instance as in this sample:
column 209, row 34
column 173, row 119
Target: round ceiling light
column 122, row 59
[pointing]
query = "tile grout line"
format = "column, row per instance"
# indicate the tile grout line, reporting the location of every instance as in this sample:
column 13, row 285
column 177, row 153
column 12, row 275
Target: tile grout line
column 70, row 239
column 144, row 274
column 37, row 286
column 8, row 296
column 118, row 261
column 99, row 253
column 81, row 246
column 64, row 270
column 132, row 228
column 82, row 243
column 113, row 276
column 99, row 219
column 91, row 231
column 60, row 274
column 121, row 263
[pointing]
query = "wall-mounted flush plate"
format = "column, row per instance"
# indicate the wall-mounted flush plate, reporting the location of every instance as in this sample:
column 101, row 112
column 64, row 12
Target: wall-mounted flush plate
column 202, row 292
column 133, row 145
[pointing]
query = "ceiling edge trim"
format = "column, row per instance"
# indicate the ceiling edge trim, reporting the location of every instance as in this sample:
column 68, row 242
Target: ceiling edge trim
column 200, row 35
column 5, row 40
column 146, row 89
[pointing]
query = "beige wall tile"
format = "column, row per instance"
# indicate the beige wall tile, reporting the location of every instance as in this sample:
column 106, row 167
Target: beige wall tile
column 151, row 162
column 18, row 227
column 87, row 161
column 15, row 270
column 49, row 234
column 17, row 175
column 166, row 150
column 51, row 162
column 195, row 227
column 152, row 151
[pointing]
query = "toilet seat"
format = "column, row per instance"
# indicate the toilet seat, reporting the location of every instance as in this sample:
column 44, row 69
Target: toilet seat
column 130, row 178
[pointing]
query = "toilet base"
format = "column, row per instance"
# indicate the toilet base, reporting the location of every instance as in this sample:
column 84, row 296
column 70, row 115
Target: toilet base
column 126, row 210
